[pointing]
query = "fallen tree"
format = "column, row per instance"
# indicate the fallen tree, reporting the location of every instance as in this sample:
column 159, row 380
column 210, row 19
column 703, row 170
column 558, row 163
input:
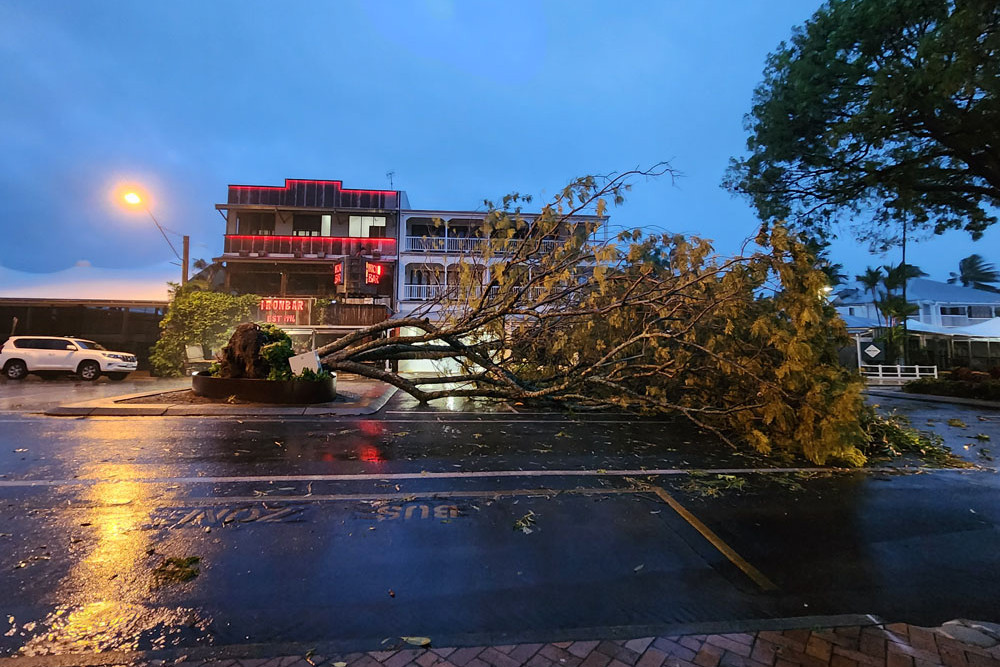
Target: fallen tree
column 744, row 346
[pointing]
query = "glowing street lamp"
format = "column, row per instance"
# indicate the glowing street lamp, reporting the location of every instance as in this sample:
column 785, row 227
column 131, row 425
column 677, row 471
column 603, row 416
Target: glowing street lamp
column 133, row 199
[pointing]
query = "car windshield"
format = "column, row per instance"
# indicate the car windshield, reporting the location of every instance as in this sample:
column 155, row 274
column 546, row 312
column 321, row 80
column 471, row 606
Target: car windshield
column 89, row 345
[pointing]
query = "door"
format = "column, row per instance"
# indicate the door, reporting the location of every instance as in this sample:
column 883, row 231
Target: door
column 61, row 356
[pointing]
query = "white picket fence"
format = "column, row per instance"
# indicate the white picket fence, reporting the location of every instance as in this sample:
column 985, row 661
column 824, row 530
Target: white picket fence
column 882, row 374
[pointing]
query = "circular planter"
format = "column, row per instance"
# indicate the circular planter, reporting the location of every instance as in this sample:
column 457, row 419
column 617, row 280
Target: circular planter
column 265, row 391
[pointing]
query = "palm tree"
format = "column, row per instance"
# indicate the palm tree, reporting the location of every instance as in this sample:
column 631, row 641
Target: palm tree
column 834, row 273
column 896, row 276
column 974, row 271
column 870, row 280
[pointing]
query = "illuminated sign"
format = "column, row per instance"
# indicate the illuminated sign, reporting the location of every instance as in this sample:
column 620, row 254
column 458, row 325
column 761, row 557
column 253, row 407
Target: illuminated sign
column 282, row 304
column 338, row 273
column 277, row 310
column 373, row 273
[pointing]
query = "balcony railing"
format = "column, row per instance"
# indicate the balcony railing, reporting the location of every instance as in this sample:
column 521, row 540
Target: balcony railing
column 469, row 245
column 431, row 292
column 307, row 246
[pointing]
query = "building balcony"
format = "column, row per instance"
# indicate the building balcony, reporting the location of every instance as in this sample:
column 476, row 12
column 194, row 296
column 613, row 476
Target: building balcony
column 311, row 247
column 469, row 246
column 432, row 292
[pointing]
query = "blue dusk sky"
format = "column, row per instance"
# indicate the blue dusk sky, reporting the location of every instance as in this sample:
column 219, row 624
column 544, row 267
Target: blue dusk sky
column 462, row 99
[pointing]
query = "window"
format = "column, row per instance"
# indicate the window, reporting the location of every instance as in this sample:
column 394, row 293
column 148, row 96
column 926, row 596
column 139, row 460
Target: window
column 254, row 223
column 981, row 312
column 90, row 345
column 953, row 310
column 850, row 311
column 307, row 225
column 365, row 226
column 31, row 344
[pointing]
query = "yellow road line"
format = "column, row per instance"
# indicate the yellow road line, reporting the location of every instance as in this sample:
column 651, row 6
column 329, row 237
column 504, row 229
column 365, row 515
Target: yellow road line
column 756, row 575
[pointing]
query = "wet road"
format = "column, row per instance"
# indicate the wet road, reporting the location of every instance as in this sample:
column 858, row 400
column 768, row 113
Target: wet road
column 452, row 525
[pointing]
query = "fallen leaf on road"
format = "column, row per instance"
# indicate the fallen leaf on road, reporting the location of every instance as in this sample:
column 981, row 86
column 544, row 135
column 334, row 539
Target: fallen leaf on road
column 417, row 641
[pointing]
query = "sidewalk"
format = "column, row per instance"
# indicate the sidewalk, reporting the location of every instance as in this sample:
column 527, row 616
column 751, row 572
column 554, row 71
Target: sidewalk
column 885, row 392
column 799, row 644
column 355, row 397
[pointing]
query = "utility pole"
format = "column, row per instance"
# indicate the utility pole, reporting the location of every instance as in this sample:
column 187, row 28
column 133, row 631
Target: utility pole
column 186, row 258
column 906, row 277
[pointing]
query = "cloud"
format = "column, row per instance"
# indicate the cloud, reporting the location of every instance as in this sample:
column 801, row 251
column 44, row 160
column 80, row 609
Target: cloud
column 84, row 281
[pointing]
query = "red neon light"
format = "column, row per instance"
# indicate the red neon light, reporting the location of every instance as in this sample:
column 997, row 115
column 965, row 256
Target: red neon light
column 312, row 238
column 373, row 273
column 338, row 273
column 282, row 304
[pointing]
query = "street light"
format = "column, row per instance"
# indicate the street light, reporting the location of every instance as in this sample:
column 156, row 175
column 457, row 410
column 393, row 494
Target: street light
column 133, row 199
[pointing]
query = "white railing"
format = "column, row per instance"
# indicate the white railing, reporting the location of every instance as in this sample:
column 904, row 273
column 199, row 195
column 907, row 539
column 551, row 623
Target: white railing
column 468, row 245
column 423, row 292
column 882, row 374
column 429, row 292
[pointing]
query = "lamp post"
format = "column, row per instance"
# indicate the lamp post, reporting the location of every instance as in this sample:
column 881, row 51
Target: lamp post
column 134, row 199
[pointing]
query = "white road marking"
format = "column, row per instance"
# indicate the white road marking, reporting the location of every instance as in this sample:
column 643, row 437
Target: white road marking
column 485, row 474
column 201, row 501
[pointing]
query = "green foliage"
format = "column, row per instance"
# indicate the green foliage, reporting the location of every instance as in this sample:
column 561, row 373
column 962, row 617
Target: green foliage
column 314, row 376
column 883, row 110
column 890, row 436
column 197, row 317
column 986, row 390
column 974, row 271
column 276, row 352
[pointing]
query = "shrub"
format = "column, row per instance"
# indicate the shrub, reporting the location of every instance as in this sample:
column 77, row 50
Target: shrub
column 197, row 318
column 988, row 389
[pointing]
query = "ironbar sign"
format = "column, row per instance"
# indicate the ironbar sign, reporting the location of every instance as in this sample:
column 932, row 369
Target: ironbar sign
column 285, row 310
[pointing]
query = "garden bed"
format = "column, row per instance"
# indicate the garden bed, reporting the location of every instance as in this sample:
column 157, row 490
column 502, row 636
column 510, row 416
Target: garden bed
column 188, row 397
column 960, row 383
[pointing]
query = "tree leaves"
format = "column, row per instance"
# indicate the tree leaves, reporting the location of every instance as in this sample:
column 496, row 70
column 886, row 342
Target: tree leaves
column 879, row 111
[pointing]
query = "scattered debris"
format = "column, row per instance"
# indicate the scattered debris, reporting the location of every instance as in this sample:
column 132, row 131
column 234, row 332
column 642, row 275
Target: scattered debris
column 981, row 436
column 174, row 569
column 525, row 523
column 957, row 423
column 708, row 485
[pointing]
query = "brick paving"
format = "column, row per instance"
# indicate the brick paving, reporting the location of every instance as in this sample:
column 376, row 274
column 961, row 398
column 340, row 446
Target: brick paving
column 955, row 644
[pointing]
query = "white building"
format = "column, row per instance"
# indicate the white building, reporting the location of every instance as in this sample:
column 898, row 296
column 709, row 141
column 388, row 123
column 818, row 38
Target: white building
column 941, row 304
column 954, row 325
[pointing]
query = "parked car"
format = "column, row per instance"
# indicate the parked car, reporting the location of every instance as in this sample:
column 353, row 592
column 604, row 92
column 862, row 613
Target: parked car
column 56, row 355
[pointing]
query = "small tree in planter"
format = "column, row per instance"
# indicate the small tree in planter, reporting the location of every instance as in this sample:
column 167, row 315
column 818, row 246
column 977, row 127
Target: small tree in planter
column 257, row 352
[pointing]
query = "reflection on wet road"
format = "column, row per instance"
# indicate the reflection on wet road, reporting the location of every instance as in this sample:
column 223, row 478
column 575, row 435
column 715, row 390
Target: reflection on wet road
column 439, row 525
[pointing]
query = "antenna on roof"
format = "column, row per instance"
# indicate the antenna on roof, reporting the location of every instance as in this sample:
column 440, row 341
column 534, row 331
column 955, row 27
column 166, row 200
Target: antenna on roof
column 389, row 175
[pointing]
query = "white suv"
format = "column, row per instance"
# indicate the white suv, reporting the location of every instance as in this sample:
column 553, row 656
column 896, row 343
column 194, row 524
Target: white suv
column 53, row 355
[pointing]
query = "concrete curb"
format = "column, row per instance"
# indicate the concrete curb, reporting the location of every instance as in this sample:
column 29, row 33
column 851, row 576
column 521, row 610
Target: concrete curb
column 931, row 398
column 111, row 407
column 295, row 650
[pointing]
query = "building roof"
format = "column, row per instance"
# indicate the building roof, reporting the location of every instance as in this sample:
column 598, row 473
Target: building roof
column 924, row 290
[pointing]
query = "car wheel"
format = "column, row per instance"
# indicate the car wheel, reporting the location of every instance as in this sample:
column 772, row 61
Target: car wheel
column 117, row 377
column 89, row 371
column 15, row 370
